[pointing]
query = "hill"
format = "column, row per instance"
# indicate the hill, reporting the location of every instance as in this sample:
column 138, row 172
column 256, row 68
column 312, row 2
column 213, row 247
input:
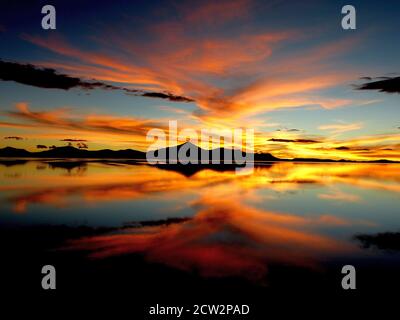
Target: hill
column 195, row 155
column 71, row 152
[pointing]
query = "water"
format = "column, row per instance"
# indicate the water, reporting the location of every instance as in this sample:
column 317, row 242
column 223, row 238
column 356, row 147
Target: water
column 222, row 225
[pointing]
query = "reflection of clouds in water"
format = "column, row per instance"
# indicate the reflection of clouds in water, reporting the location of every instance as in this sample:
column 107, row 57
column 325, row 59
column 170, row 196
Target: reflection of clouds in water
column 228, row 235
column 94, row 182
column 225, row 238
column 338, row 195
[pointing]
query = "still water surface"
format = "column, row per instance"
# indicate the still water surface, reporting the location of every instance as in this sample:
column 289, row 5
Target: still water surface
column 221, row 224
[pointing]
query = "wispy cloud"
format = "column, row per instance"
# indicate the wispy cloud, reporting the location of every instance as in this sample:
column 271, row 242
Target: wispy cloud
column 93, row 127
column 293, row 140
column 174, row 57
column 339, row 196
column 341, row 127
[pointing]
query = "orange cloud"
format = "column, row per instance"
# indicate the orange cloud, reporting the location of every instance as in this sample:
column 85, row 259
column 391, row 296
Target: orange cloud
column 88, row 126
column 230, row 90
column 228, row 74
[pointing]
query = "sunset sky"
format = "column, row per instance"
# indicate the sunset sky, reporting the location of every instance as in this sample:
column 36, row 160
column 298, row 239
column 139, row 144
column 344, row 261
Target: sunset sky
column 285, row 68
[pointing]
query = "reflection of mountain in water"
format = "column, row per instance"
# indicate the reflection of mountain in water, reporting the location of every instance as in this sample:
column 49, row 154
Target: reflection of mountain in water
column 11, row 163
column 190, row 170
column 69, row 165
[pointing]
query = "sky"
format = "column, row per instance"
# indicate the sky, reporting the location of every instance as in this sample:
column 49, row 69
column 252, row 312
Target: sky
column 286, row 69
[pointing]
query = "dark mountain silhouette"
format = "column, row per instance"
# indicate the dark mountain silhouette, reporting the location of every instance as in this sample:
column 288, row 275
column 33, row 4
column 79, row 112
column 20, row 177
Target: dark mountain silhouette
column 341, row 160
column 195, row 154
column 192, row 153
column 71, row 152
column 265, row 157
column 14, row 152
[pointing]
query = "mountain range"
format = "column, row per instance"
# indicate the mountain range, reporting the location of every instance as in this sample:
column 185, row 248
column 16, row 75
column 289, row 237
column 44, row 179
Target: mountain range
column 69, row 152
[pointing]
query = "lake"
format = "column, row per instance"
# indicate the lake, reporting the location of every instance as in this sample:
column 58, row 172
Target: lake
column 286, row 224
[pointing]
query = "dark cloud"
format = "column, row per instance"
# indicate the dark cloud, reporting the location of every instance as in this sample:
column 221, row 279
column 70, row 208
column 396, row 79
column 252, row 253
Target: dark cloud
column 42, row 78
column 294, row 140
column 74, row 140
column 41, row 146
column 385, row 84
column 48, row 78
column 306, row 141
column 280, row 140
column 342, row 148
column 383, row 241
column 289, row 130
column 13, row 137
column 168, row 96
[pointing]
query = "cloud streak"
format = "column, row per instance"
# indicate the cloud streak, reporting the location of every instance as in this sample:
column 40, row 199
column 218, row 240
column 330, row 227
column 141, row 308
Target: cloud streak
column 74, row 140
column 13, row 138
column 294, row 140
column 340, row 128
column 93, row 127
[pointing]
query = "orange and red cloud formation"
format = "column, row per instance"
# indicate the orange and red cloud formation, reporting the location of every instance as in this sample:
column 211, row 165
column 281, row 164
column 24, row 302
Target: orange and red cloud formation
column 175, row 57
column 258, row 237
